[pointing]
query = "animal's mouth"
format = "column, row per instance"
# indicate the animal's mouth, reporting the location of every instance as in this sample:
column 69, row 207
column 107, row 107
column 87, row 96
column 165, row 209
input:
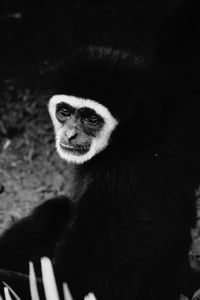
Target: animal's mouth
column 77, row 150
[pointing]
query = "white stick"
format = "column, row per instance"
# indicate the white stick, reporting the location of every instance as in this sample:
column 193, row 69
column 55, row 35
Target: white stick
column 66, row 292
column 90, row 296
column 7, row 294
column 11, row 290
column 49, row 282
column 33, row 283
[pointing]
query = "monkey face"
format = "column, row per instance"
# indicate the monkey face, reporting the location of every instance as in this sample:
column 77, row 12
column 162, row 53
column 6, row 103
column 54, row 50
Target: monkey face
column 78, row 128
column 82, row 127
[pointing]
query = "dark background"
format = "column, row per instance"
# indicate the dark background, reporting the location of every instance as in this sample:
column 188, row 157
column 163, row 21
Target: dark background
column 34, row 32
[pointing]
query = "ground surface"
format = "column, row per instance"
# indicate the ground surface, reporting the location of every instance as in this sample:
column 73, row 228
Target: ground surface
column 30, row 169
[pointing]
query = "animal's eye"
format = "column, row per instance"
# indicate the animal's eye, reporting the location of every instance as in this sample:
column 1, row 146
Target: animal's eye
column 92, row 120
column 63, row 113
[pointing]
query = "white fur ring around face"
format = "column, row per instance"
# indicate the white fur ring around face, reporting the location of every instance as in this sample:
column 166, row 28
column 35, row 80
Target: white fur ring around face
column 99, row 142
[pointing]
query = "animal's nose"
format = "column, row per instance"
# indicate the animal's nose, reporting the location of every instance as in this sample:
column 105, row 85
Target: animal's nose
column 71, row 134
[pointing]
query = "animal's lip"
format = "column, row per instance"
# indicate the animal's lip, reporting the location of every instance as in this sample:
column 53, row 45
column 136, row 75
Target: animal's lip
column 78, row 149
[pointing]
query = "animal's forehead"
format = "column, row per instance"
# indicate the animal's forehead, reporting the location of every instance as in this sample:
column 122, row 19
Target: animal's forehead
column 84, row 109
column 79, row 103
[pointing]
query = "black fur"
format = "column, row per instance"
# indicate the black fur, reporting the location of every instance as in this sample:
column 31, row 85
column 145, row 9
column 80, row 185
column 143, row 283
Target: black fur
column 128, row 234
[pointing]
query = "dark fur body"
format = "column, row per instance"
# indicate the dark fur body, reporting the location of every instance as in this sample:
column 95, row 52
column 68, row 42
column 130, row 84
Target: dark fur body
column 129, row 233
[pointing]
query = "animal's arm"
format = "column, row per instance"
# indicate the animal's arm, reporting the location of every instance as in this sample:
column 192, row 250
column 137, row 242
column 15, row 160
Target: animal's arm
column 34, row 236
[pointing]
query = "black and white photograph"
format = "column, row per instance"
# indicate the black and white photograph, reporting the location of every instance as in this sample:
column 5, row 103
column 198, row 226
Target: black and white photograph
column 99, row 150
